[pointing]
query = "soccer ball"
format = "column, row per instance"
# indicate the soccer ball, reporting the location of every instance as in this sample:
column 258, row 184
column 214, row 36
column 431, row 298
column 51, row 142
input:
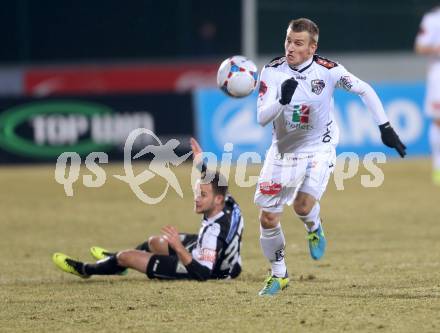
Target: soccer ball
column 237, row 76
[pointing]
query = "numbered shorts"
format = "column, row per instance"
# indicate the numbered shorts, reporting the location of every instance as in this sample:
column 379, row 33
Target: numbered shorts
column 168, row 266
column 281, row 178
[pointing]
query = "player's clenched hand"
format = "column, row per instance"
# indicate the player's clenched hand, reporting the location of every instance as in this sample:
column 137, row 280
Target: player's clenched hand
column 288, row 87
column 391, row 139
column 171, row 234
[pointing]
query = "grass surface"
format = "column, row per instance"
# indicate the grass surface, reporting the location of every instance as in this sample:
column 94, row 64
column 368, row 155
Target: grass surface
column 380, row 273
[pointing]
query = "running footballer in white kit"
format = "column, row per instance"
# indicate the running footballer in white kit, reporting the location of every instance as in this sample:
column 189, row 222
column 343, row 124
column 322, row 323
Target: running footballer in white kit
column 428, row 43
column 296, row 96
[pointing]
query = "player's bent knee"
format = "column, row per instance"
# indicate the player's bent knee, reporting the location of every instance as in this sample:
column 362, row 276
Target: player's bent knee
column 302, row 209
column 123, row 258
column 158, row 245
column 153, row 242
column 303, row 205
column 269, row 220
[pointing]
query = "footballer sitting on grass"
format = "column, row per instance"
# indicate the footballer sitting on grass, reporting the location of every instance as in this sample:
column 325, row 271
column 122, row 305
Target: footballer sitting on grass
column 212, row 254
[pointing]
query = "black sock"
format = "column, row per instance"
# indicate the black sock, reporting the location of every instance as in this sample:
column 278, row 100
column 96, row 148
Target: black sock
column 107, row 266
column 78, row 265
column 143, row 247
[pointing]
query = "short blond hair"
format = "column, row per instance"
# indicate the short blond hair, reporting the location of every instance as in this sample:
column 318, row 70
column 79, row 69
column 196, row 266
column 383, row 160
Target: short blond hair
column 304, row 24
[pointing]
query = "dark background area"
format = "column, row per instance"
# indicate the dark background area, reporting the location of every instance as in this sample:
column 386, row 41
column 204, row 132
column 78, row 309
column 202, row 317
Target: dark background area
column 49, row 31
column 345, row 26
column 58, row 31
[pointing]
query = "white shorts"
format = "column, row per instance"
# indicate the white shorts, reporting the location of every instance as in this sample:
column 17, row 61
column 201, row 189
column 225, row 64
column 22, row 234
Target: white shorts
column 283, row 176
column 432, row 98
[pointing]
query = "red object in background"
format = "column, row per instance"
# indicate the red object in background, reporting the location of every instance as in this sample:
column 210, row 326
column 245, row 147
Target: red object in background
column 118, row 79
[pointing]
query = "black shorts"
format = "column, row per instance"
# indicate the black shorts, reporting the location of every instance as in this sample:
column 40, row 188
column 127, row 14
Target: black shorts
column 169, row 267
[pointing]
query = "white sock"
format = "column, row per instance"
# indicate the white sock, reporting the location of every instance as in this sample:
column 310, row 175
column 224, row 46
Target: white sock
column 434, row 140
column 272, row 243
column 312, row 220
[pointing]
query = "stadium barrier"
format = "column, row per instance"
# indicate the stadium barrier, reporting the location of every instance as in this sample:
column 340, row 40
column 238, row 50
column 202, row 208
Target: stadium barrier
column 222, row 120
column 40, row 129
column 118, row 79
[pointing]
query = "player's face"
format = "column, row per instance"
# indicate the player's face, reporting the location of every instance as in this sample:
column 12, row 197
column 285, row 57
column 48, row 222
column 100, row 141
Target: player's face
column 299, row 47
column 205, row 201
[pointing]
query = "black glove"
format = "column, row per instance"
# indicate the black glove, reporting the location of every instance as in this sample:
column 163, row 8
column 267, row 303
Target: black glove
column 288, row 87
column 391, row 139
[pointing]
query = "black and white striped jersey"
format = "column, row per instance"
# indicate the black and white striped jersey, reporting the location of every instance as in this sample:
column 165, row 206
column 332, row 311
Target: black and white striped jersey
column 219, row 241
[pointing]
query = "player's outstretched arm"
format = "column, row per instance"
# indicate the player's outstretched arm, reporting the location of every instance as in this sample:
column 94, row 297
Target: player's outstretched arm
column 197, row 155
column 372, row 102
column 351, row 83
column 388, row 135
column 196, row 149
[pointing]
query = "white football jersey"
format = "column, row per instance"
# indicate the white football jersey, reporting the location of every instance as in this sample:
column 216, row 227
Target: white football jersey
column 429, row 32
column 307, row 123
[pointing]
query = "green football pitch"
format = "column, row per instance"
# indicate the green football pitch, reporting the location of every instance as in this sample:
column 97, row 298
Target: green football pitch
column 381, row 271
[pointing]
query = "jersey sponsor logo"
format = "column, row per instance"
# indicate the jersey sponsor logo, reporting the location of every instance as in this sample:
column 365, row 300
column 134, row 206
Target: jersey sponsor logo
column 276, row 62
column 263, row 88
column 317, row 86
column 345, row 82
column 294, row 126
column 300, row 118
column 300, row 114
column 270, row 188
column 326, row 63
column 207, row 255
column 300, row 77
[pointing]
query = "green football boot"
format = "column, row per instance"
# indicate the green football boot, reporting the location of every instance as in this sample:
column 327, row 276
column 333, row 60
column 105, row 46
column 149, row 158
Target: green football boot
column 69, row 265
column 99, row 253
column 273, row 285
column 317, row 243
